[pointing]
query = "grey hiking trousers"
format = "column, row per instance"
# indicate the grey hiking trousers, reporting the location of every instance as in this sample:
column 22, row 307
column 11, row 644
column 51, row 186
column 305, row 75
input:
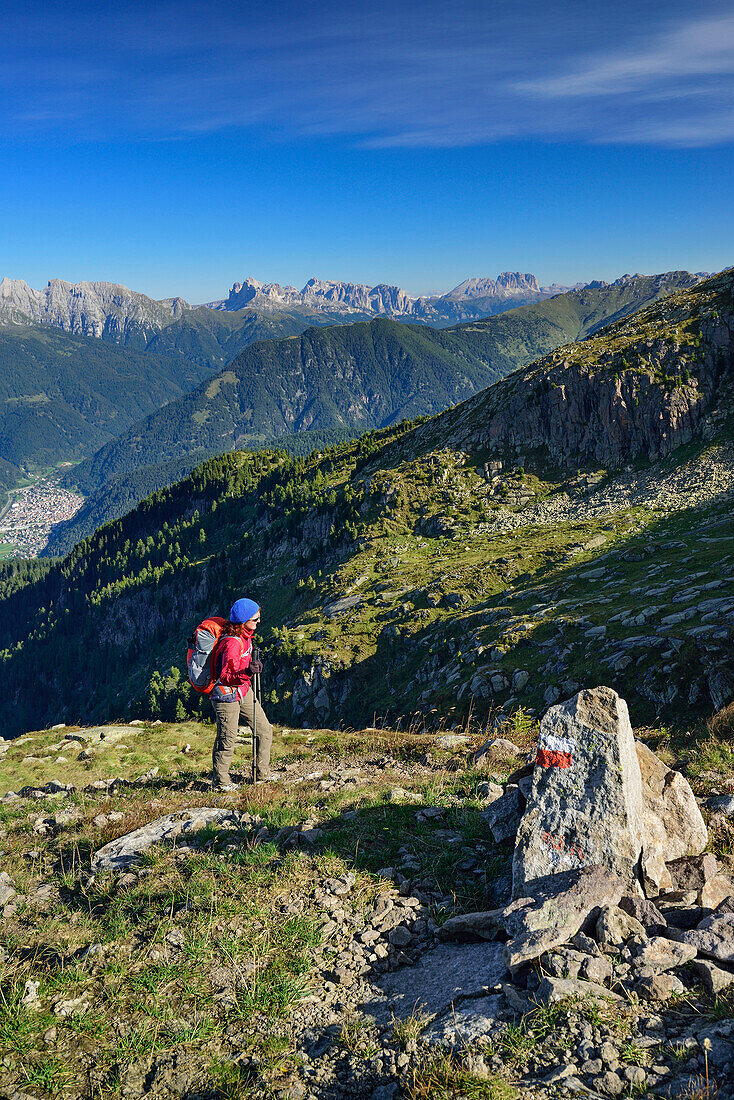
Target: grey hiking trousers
column 228, row 720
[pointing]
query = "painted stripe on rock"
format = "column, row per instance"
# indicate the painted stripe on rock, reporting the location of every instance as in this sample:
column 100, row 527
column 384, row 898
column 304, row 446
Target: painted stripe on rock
column 549, row 759
column 555, row 752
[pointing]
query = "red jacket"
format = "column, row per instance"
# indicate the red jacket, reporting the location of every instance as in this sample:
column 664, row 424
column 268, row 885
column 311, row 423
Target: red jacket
column 231, row 662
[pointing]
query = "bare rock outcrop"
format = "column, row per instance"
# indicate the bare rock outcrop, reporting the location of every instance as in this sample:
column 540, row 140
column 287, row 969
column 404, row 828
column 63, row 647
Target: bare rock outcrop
column 184, row 823
column 636, row 389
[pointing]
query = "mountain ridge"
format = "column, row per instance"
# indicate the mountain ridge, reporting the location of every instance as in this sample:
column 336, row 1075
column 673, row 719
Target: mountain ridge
column 474, row 296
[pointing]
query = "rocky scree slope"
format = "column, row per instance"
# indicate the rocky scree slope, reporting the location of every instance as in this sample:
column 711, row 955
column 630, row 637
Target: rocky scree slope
column 361, row 376
column 347, row 930
column 442, row 582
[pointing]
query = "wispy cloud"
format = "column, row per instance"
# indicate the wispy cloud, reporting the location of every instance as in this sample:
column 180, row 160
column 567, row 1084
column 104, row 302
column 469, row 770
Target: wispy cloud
column 678, row 59
column 408, row 74
column 675, row 89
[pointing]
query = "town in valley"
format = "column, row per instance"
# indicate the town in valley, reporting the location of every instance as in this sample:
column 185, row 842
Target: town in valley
column 31, row 514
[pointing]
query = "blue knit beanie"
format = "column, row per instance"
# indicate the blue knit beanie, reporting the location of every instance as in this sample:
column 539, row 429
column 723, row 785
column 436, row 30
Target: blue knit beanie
column 243, row 610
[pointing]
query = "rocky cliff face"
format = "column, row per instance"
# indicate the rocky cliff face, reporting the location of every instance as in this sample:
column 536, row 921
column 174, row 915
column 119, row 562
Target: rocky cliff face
column 640, row 388
column 507, row 285
column 253, row 292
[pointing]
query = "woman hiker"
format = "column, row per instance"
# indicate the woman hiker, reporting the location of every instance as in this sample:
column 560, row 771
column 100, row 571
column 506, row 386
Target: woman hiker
column 232, row 694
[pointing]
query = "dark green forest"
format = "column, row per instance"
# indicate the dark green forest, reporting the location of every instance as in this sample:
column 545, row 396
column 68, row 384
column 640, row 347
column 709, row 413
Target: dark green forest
column 63, row 396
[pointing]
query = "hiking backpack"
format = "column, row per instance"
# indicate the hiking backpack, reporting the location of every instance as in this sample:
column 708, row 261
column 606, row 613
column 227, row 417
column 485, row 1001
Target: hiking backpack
column 200, row 653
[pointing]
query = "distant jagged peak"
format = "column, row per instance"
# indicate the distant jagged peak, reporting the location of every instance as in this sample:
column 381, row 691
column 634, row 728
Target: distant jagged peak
column 252, row 290
column 514, row 280
column 317, row 286
column 16, row 293
column 384, row 298
column 381, row 298
column 19, row 302
column 507, row 284
column 250, row 282
column 10, row 287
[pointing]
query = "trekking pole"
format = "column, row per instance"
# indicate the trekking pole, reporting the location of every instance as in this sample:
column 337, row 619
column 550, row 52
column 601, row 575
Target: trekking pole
column 256, row 694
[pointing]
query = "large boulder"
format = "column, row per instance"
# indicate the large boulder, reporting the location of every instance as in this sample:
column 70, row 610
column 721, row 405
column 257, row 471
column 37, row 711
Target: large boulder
column 671, row 821
column 585, row 808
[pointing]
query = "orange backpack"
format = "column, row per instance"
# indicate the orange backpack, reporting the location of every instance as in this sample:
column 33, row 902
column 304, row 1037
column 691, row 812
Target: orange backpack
column 200, row 653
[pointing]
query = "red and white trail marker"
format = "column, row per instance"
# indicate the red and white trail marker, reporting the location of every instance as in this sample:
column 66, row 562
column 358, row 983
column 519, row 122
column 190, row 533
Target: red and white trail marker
column 555, row 752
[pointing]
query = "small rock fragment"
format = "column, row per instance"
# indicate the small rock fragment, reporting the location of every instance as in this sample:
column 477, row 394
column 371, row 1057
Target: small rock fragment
column 614, row 926
column 558, row 989
column 646, row 912
column 504, row 814
column 713, row 978
column 691, row 872
column 659, row 987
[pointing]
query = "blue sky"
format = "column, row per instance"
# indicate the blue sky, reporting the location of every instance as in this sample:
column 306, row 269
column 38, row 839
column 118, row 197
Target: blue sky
column 177, row 147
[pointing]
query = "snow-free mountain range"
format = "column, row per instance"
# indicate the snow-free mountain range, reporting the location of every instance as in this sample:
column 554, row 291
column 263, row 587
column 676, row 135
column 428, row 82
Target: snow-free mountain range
column 112, row 311
column 474, row 297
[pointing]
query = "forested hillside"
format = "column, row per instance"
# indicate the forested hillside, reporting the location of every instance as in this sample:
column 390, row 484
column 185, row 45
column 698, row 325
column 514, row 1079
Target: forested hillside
column 430, row 568
column 63, row 396
column 211, row 338
column 118, row 496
